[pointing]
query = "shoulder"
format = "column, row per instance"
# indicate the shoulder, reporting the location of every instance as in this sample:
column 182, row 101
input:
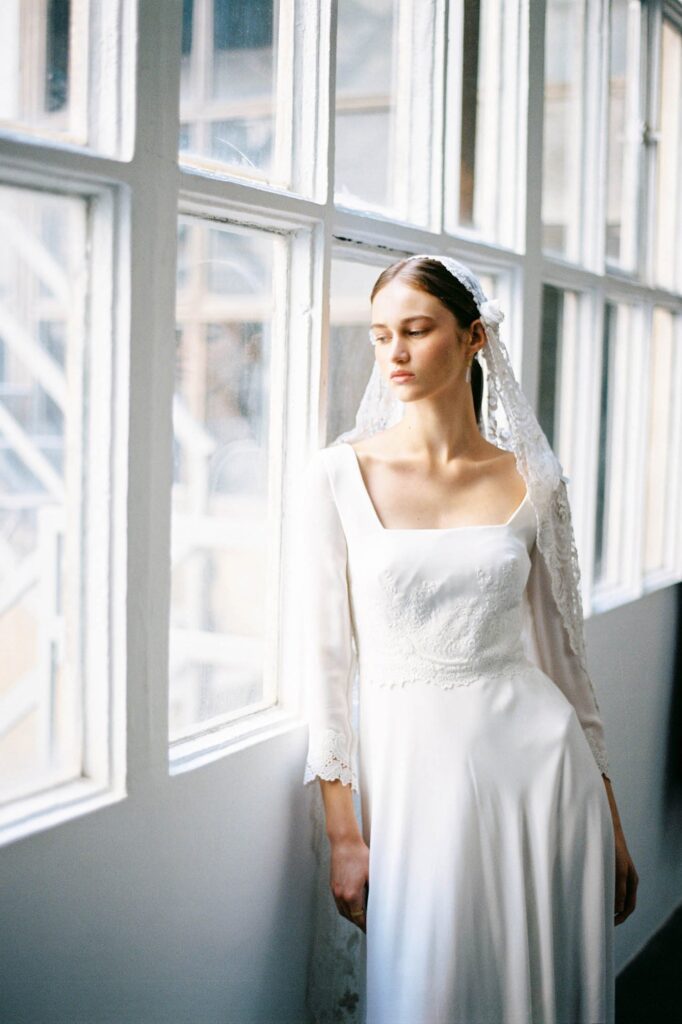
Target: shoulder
column 503, row 465
column 321, row 471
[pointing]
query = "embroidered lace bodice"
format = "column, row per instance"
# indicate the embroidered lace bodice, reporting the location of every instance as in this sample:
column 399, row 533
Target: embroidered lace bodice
column 418, row 607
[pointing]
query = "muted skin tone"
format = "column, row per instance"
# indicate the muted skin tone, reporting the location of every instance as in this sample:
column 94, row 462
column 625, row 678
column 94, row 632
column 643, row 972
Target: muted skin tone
column 432, row 470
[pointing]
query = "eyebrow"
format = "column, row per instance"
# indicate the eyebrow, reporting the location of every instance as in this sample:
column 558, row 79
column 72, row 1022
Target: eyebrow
column 408, row 319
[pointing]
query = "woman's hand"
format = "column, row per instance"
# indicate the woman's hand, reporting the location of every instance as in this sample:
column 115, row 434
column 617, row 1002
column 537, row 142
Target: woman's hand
column 626, row 880
column 350, row 878
column 626, row 875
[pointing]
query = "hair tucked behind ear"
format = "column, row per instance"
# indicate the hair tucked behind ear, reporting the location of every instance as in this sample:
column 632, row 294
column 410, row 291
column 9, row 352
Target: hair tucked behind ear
column 432, row 277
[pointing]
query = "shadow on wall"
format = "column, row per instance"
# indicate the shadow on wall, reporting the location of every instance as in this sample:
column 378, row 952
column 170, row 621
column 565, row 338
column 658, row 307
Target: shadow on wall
column 672, row 792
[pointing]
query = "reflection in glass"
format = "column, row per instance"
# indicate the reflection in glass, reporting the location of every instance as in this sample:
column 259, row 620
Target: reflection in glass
column 365, row 143
column 351, row 356
column 221, row 573
column 40, row 67
column 563, row 121
column 228, row 85
column 552, row 309
column 614, row 438
column 624, row 134
column 488, row 126
column 660, row 438
column 385, row 126
column 668, row 244
column 41, row 483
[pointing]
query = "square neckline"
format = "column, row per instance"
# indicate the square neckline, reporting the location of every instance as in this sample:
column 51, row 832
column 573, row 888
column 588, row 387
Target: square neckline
column 423, row 529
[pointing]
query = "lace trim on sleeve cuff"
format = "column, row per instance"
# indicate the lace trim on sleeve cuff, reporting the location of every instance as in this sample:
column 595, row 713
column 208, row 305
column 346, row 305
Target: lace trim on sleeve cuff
column 599, row 753
column 327, row 759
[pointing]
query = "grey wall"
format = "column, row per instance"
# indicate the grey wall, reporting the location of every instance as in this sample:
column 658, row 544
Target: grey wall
column 633, row 662
column 188, row 903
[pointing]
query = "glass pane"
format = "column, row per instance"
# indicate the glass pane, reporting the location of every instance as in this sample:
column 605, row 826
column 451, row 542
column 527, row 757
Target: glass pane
column 668, row 247
column 563, row 119
column 615, row 413
column 37, row 61
column 560, row 310
column 624, row 132
column 660, row 439
column 384, row 104
column 484, row 63
column 41, row 439
column 228, row 86
column 351, row 356
column 549, row 358
column 221, row 571
column 63, row 71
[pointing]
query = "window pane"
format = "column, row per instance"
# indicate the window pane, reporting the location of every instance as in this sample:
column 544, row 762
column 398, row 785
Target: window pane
column 659, row 466
column 351, row 355
column 483, row 76
column 613, row 467
column 62, row 70
column 624, row 132
column 668, row 244
column 222, row 571
column 560, row 311
column 563, row 119
column 228, row 89
column 384, row 107
column 41, row 488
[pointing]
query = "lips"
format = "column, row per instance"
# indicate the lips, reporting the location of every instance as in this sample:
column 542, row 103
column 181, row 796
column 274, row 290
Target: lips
column 401, row 375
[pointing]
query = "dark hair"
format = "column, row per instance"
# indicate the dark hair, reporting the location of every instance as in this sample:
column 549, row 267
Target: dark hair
column 432, row 277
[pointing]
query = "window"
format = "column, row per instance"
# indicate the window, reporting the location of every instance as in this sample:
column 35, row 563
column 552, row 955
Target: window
column 386, row 138
column 484, row 180
column 621, row 369
column 222, row 505
column 663, row 440
column 624, row 140
column 66, row 71
column 183, row 321
column 668, row 228
column 59, row 529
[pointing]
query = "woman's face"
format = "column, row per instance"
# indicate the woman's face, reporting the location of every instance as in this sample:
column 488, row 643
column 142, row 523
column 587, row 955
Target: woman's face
column 414, row 331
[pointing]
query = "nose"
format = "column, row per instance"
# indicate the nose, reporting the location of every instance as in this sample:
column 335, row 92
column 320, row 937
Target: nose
column 398, row 349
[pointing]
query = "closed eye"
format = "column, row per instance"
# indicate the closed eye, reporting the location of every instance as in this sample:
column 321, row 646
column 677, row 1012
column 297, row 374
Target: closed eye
column 380, row 338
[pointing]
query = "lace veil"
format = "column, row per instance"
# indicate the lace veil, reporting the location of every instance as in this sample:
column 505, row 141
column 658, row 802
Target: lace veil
column 335, row 983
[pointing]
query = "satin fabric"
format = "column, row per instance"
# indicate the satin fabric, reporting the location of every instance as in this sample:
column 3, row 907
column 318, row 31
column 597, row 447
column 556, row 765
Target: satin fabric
column 492, row 861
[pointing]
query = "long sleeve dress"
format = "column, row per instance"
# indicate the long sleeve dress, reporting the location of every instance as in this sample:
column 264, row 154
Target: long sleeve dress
column 475, row 754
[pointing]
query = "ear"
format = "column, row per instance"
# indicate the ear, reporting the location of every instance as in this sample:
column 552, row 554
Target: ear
column 478, row 336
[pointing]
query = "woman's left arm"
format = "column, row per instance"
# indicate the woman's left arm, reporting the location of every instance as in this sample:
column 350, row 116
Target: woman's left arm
column 626, row 875
column 548, row 645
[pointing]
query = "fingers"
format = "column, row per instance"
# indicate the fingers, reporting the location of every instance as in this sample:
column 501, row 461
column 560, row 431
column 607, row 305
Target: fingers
column 626, row 893
column 353, row 911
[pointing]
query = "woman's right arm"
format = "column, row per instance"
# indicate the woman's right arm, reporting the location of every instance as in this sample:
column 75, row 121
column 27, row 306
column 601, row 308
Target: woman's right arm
column 327, row 663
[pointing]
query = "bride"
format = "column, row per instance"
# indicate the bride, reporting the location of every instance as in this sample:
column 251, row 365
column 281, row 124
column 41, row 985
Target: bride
column 470, row 846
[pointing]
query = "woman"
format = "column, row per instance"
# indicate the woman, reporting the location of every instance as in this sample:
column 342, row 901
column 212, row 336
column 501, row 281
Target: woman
column 490, row 865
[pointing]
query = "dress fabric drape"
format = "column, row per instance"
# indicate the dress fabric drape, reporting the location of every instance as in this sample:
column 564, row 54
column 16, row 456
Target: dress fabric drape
column 476, row 758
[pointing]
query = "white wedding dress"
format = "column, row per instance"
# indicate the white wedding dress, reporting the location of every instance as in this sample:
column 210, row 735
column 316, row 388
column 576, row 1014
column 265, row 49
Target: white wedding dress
column 476, row 752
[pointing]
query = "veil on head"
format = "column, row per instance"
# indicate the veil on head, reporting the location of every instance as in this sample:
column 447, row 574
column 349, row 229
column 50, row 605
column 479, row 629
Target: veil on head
column 334, row 987
column 380, row 408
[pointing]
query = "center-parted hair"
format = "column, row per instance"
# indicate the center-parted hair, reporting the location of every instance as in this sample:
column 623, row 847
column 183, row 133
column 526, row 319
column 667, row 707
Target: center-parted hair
column 432, row 277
